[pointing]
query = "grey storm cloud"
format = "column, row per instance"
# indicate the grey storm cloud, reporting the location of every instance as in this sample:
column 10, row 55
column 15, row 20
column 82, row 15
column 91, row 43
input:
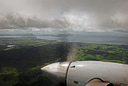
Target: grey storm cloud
column 18, row 22
column 63, row 14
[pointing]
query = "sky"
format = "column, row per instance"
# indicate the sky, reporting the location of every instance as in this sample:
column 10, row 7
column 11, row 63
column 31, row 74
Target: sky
column 69, row 15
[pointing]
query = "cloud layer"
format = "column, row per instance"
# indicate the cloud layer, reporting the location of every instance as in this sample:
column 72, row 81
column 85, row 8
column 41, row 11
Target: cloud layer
column 88, row 15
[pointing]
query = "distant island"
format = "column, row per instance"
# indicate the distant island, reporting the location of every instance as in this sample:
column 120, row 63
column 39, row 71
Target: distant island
column 64, row 35
column 17, row 35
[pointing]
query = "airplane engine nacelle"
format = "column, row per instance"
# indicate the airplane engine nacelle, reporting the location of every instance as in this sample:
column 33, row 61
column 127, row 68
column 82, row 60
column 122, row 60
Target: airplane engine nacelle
column 88, row 73
column 57, row 71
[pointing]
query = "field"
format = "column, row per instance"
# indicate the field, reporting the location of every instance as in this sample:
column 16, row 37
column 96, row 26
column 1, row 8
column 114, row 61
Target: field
column 22, row 58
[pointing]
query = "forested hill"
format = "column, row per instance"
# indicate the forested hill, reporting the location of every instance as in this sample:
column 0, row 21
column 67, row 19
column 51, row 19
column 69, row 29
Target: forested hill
column 22, row 58
column 31, row 56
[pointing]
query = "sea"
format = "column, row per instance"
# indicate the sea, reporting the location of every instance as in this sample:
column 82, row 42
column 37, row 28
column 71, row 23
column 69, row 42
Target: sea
column 116, row 38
